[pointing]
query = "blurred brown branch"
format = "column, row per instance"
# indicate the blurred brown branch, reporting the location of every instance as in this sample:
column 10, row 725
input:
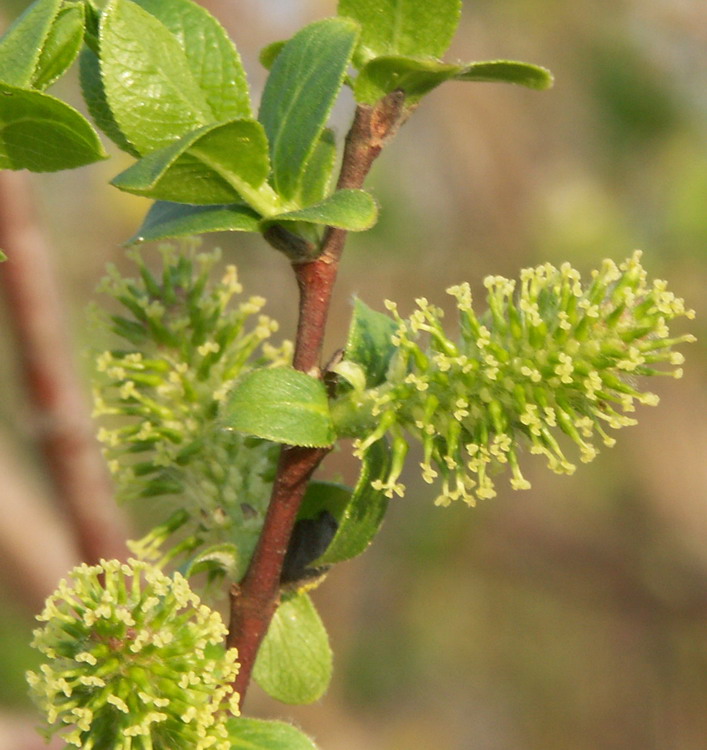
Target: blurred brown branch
column 61, row 421
column 36, row 548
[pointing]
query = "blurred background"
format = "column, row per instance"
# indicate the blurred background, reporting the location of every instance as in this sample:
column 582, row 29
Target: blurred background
column 569, row 617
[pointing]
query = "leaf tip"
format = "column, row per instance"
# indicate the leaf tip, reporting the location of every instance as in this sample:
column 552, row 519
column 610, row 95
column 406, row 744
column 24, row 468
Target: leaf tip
column 546, row 80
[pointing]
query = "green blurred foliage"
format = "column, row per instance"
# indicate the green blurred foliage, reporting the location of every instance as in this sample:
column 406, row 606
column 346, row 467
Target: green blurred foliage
column 16, row 625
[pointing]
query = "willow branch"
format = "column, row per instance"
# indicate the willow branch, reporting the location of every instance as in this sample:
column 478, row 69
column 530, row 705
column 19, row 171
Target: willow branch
column 255, row 599
column 62, row 423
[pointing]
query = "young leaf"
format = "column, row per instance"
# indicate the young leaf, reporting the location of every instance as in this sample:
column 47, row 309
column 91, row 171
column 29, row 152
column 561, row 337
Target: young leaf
column 149, row 84
column 172, row 173
column 507, row 71
column 370, row 343
column 258, row 734
column 165, row 220
column 216, row 559
column 363, row 515
column 358, row 513
column 283, row 405
column 317, row 177
column 218, row 163
column 417, row 77
column 402, row 27
column 22, row 44
column 269, row 53
column 61, row 46
column 324, row 496
column 299, row 94
column 94, row 94
column 222, row 80
column 354, row 210
column 294, row 663
column 41, row 133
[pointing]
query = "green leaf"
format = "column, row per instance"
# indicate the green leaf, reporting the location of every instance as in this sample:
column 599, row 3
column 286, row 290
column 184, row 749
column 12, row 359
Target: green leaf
column 363, row 515
column 22, row 44
column 354, row 210
column 210, row 53
column 149, row 84
column 370, row 343
column 93, row 22
column 3, row 257
column 402, row 27
column 417, row 77
column 283, row 405
column 317, row 177
column 41, row 133
column 299, row 94
column 358, row 513
column 269, row 53
column 294, row 663
column 328, row 496
column 258, row 734
column 218, row 163
column 61, row 46
column 507, row 71
column 165, row 220
column 94, row 95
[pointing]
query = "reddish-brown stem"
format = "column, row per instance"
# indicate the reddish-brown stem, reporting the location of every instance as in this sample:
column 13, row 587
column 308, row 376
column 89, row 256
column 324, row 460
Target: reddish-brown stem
column 62, row 422
column 255, row 599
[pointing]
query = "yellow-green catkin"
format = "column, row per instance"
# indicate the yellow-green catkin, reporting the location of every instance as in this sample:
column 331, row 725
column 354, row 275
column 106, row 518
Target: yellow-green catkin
column 133, row 661
column 183, row 335
column 553, row 361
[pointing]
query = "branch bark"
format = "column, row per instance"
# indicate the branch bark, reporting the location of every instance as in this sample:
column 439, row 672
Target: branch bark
column 255, row 599
column 62, row 425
